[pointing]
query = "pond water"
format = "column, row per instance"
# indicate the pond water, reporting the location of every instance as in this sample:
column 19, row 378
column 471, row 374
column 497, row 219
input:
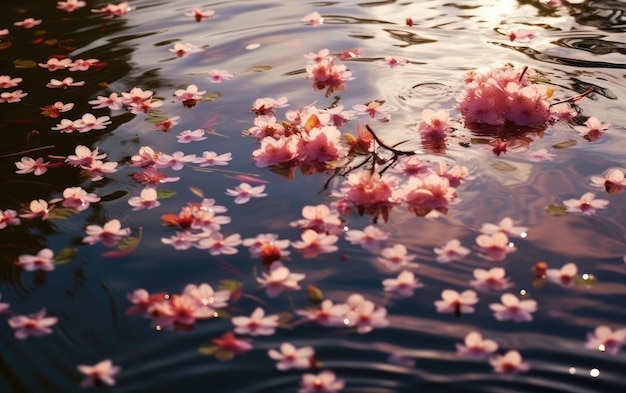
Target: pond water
column 524, row 172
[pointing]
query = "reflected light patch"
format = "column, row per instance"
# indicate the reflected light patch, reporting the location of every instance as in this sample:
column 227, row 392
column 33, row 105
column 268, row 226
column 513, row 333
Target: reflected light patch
column 523, row 235
column 572, row 370
column 601, row 348
column 594, row 372
column 523, row 292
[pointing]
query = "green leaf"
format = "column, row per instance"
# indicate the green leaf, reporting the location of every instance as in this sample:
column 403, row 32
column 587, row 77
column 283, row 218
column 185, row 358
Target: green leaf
column 224, row 355
column 197, row 191
column 62, row 213
column 130, row 243
column 503, row 166
column 565, row 144
column 586, row 280
column 259, row 68
column 65, row 255
column 165, row 194
column 23, row 63
column 556, row 210
column 211, row 96
column 229, row 285
column 208, row 349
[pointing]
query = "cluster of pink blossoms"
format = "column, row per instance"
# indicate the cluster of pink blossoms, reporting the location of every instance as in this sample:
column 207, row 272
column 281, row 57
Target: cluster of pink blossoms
column 504, row 96
column 327, row 75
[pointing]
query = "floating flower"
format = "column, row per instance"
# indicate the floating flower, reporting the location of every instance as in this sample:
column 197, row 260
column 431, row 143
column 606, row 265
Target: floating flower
column 613, row 181
column 64, row 84
column 244, row 192
column 146, row 200
column 327, row 314
column 369, row 238
column 564, row 276
column 257, row 324
column 113, row 102
column 587, row 204
column 53, row 64
column 53, row 111
column 514, row 309
column 82, row 64
column 191, row 136
column 217, row 76
column 313, row 18
column 509, row 364
column 109, row 234
column 403, row 285
column 376, row 110
column 218, row 244
column 8, row 217
column 397, row 257
column 279, row 278
column 506, row 225
column 476, row 347
column 490, row 280
column 495, row 246
column 44, row 260
column 70, row 5
column 319, row 218
column 28, row 23
column 100, row 373
column 77, row 198
column 365, row 315
column 12, row 97
column 27, row 165
column 184, row 49
column 113, row 10
column 540, row 155
column 604, row 339
column 394, row 61
column 291, row 357
column 6, row 82
column 313, row 243
column 37, row 208
column 324, row 382
column 458, row 303
column 451, row 251
column 229, row 342
column 267, row 105
column 200, row 15
column 593, row 129
column 37, row 324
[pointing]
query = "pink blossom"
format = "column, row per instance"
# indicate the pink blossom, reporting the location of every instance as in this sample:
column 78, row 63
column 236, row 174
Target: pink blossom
column 327, row 314
column 564, row 276
column 403, row 285
column 507, row 226
column 28, row 23
column 514, row 309
column 113, row 102
column 12, row 97
column 53, row 111
column 82, row 64
column 279, row 278
column 509, row 364
column 257, row 324
column 475, row 347
column 136, row 95
column 523, row 35
column 176, row 160
column 97, row 169
column 428, row 193
column 67, row 126
column 368, row 188
column 191, row 93
column 36, row 324
column 167, row 124
column 328, row 76
column 191, row 136
column 100, row 373
column 339, row 116
column 394, row 61
column 184, row 49
column 44, row 260
column 217, row 76
column 266, row 106
column 70, row 5
column 604, row 339
column 593, row 129
column 6, row 82
column 324, row 382
column 109, row 234
column 181, row 240
column 200, row 15
column 146, row 200
column 244, row 192
column 65, row 83
column 495, row 246
column 323, row 54
column 229, row 342
column 365, row 315
column 313, row 18
column 37, row 208
column 433, row 121
column 490, row 280
column 8, row 217
column 179, row 311
column 113, row 10
column 613, row 181
column 218, row 244
column 458, row 303
column 267, row 247
column 563, row 111
column 28, row 165
column 205, row 296
column 4, row 32
column 587, row 204
column 89, row 122
column 211, row 158
column 77, row 198
column 319, row 218
column 313, row 244
column 451, row 251
column 275, row 151
column 396, row 258
column 376, row 110
column 54, row 64
column 322, row 145
column 291, row 357
column 3, row 306
column 369, row 238
column 144, row 106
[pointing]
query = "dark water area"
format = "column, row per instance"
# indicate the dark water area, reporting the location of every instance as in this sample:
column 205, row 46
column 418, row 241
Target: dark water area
column 577, row 48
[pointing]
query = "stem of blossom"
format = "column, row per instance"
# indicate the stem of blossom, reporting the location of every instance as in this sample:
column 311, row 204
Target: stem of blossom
column 521, row 75
column 575, row 98
column 21, row 153
column 393, row 150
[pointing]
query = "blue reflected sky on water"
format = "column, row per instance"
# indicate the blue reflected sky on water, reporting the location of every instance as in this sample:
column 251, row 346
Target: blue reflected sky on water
column 579, row 46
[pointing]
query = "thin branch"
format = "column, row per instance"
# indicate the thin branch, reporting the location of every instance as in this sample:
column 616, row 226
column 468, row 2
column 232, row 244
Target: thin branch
column 20, row 153
column 575, row 98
